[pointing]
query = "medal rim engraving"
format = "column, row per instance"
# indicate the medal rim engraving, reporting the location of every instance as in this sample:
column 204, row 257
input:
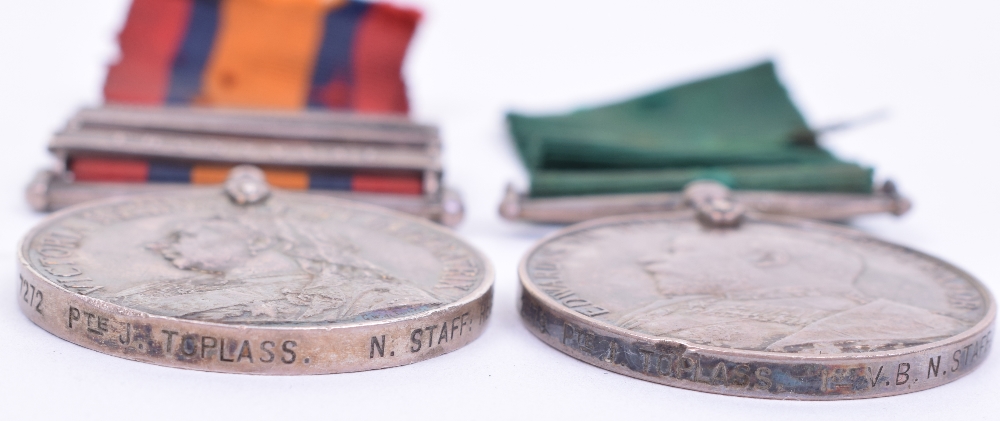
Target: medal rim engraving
column 321, row 332
column 546, row 303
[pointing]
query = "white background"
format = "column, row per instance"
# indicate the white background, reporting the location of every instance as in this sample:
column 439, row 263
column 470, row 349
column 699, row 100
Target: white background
column 934, row 66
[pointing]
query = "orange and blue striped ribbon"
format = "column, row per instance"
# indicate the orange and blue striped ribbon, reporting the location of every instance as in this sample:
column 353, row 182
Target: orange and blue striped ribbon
column 122, row 170
column 192, row 54
column 264, row 53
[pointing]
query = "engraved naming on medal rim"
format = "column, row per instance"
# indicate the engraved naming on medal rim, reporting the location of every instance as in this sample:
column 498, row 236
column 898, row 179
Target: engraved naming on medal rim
column 296, row 284
column 775, row 308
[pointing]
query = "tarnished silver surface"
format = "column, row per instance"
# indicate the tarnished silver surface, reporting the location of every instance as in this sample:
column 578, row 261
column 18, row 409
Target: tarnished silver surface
column 49, row 191
column 822, row 206
column 285, row 283
column 776, row 307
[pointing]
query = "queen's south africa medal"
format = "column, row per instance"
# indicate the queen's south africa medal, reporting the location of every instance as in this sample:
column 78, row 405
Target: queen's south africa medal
column 252, row 281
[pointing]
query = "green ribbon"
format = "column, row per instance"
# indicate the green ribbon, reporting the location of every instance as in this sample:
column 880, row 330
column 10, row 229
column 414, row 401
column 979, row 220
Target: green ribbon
column 737, row 128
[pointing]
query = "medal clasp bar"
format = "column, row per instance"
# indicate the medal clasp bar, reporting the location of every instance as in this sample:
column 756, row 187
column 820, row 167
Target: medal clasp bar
column 834, row 207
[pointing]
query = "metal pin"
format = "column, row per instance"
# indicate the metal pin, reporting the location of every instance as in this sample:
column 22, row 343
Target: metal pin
column 714, row 204
column 246, row 185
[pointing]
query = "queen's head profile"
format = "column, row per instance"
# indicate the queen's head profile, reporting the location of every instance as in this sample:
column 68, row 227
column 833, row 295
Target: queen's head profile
column 271, row 268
